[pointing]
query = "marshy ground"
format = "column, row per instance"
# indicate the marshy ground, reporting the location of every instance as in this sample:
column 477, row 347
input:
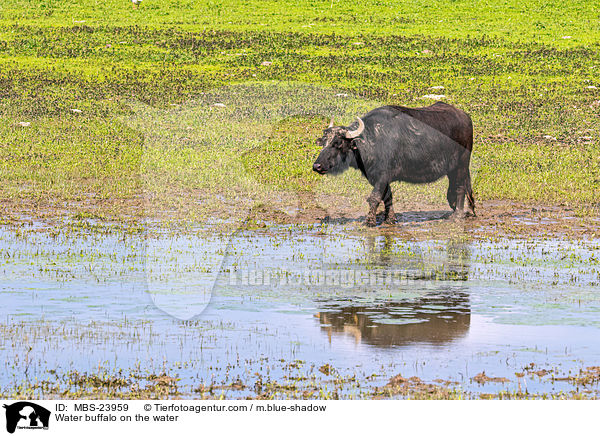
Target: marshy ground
column 297, row 311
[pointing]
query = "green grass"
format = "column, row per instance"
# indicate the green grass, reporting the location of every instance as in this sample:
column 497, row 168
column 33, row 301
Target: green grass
column 282, row 160
column 146, row 82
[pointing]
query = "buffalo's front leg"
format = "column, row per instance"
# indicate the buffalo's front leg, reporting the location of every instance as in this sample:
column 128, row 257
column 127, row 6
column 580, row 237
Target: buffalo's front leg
column 374, row 199
column 390, row 216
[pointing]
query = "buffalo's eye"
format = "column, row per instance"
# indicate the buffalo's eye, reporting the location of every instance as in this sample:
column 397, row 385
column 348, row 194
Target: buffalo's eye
column 337, row 143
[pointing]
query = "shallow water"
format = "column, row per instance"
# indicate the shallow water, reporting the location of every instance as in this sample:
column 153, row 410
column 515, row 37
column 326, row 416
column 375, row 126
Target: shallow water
column 278, row 303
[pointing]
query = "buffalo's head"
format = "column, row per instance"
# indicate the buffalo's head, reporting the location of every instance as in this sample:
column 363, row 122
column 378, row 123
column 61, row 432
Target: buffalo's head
column 337, row 146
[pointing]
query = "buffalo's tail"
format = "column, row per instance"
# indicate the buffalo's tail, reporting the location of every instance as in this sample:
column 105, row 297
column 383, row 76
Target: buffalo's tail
column 470, row 196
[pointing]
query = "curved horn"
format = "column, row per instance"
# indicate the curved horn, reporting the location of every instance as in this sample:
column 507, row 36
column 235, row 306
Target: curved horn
column 354, row 133
column 330, row 123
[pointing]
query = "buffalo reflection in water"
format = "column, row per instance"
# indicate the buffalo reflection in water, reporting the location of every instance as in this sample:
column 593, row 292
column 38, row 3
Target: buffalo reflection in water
column 433, row 319
column 438, row 316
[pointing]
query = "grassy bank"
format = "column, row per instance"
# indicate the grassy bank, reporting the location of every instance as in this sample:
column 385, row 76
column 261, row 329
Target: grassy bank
column 211, row 109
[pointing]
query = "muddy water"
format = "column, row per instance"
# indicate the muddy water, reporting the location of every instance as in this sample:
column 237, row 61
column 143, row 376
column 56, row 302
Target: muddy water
column 270, row 307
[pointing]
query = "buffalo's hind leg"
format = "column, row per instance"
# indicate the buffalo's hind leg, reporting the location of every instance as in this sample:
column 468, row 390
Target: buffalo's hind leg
column 460, row 188
column 390, row 216
column 451, row 194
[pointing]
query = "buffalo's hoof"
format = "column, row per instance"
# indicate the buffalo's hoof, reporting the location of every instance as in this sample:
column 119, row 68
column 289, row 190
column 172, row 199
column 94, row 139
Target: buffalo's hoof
column 459, row 215
column 390, row 220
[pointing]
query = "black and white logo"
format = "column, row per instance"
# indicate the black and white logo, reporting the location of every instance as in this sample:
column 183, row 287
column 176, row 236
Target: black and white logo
column 26, row 415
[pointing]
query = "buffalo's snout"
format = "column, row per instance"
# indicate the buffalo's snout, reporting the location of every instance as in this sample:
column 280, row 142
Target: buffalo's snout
column 318, row 168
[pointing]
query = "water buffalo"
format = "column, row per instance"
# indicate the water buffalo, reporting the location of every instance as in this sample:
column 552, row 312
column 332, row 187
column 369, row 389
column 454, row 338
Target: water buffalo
column 396, row 143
